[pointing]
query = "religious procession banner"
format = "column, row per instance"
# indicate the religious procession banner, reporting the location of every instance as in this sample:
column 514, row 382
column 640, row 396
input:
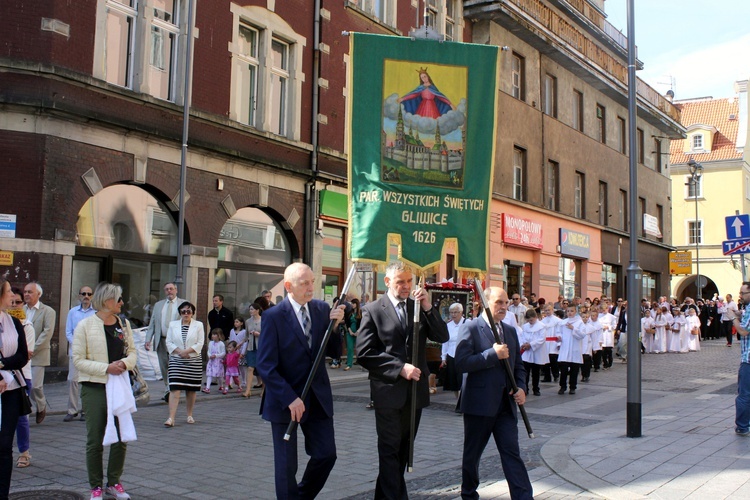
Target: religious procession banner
column 422, row 119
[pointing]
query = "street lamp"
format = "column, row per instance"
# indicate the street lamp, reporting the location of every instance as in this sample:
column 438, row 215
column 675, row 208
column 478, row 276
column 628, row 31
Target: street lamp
column 696, row 171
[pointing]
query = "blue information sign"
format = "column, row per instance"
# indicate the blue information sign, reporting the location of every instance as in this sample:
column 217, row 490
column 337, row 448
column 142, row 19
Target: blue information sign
column 738, row 226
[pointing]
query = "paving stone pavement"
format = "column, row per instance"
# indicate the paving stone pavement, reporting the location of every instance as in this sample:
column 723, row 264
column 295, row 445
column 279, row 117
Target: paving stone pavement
column 688, row 448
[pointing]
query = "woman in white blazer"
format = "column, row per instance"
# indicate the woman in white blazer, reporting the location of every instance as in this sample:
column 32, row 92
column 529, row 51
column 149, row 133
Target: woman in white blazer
column 185, row 339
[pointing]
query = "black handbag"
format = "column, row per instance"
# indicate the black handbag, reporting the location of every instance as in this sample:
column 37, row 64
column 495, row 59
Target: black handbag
column 25, row 400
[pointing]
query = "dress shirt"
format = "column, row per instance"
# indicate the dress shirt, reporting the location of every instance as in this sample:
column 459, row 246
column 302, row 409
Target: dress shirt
column 296, row 308
column 75, row 315
column 449, row 348
column 31, row 311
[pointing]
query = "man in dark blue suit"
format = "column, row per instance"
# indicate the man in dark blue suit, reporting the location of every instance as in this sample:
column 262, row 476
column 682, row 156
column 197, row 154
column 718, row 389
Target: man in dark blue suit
column 486, row 397
column 291, row 334
column 384, row 348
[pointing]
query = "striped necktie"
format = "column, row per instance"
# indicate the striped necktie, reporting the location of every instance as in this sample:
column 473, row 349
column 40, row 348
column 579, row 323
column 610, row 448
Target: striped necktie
column 306, row 326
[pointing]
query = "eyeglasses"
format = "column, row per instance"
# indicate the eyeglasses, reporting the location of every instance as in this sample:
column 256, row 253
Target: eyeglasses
column 516, row 298
column 86, row 294
column 17, row 302
column 619, row 301
column 186, row 311
column 120, row 300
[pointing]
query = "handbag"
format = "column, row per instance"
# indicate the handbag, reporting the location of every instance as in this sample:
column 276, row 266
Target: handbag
column 139, row 386
column 25, row 399
column 137, row 382
column 695, row 331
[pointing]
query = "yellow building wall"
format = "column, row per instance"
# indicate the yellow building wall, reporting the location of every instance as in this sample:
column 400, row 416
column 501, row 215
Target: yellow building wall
column 724, row 192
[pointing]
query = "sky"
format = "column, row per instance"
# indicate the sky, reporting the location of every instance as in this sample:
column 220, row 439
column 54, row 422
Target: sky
column 698, row 48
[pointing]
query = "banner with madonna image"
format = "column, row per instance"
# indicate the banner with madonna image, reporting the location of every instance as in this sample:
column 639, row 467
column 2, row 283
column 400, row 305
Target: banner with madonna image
column 422, row 120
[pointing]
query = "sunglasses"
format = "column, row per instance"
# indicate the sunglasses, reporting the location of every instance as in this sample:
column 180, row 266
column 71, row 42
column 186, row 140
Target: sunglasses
column 17, row 302
column 120, row 300
column 86, row 294
column 186, row 311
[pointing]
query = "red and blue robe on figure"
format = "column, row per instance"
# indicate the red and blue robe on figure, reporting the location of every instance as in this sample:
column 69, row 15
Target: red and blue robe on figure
column 426, row 101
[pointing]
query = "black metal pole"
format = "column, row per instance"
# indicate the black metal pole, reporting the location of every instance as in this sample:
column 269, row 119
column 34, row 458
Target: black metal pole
column 635, row 273
column 505, row 362
column 414, row 383
column 292, row 427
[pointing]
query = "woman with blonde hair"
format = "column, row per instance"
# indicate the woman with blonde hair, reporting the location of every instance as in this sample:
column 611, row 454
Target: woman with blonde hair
column 103, row 346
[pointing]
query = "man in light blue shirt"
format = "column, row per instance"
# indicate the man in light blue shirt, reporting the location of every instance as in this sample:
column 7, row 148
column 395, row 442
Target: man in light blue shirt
column 742, row 402
column 75, row 315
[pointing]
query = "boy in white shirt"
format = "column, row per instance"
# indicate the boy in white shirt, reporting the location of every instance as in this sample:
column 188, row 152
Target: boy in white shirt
column 571, row 335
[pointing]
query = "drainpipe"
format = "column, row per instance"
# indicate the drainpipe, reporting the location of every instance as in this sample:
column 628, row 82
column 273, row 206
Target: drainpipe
column 311, row 194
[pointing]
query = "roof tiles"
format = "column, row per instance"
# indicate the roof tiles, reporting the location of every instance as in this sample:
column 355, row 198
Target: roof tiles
column 711, row 112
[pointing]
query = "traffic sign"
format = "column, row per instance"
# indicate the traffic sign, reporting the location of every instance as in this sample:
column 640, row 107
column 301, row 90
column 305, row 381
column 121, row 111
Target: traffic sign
column 738, row 227
column 733, row 247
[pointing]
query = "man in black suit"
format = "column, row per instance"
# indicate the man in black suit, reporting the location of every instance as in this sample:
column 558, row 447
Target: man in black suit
column 384, row 348
column 291, row 335
column 486, row 397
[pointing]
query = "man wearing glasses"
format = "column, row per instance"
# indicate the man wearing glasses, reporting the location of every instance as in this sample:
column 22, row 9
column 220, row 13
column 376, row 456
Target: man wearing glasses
column 517, row 309
column 742, row 402
column 75, row 315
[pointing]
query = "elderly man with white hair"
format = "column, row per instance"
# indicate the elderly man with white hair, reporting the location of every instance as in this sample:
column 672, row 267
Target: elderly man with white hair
column 453, row 378
column 42, row 317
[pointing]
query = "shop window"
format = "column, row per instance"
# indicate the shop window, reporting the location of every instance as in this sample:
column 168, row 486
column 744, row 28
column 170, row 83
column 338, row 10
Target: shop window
column 609, row 280
column 126, row 236
column 253, row 253
column 569, row 278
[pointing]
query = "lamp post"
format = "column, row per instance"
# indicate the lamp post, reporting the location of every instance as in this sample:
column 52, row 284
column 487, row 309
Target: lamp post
column 696, row 171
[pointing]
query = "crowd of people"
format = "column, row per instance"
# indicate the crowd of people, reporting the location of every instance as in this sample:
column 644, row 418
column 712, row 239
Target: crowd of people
column 561, row 342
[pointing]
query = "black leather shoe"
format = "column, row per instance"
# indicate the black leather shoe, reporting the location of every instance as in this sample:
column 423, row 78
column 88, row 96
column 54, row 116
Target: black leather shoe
column 561, row 391
column 572, row 391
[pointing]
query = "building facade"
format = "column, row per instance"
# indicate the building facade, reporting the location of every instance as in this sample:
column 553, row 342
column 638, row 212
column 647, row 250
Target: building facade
column 716, row 135
column 91, row 127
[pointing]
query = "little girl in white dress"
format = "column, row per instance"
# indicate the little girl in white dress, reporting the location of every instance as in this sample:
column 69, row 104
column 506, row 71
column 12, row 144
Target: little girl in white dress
column 215, row 365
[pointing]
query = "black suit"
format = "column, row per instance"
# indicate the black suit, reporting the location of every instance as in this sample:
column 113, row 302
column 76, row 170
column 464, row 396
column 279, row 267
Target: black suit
column 487, row 407
column 383, row 347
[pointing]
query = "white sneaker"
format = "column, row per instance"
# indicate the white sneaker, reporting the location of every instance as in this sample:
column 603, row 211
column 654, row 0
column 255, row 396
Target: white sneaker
column 116, row 491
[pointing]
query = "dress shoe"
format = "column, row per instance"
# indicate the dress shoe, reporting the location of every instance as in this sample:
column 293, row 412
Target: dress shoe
column 69, row 417
column 537, row 393
column 561, row 391
column 572, row 391
column 40, row 416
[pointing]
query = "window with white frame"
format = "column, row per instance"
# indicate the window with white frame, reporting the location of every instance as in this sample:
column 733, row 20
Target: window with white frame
column 266, row 72
column 694, row 232
column 138, row 45
column 694, row 189
column 165, row 29
column 444, row 17
column 279, row 86
column 119, row 39
column 519, row 165
column 697, row 141
column 383, row 10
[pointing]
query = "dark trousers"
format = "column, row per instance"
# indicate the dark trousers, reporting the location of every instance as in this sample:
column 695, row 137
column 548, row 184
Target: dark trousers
column 586, row 367
column 607, row 357
column 533, row 370
column 11, row 401
column 320, row 446
column 94, row 400
column 597, row 360
column 504, row 428
column 568, row 369
column 726, row 328
column 551, row 369
column 392, row 426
